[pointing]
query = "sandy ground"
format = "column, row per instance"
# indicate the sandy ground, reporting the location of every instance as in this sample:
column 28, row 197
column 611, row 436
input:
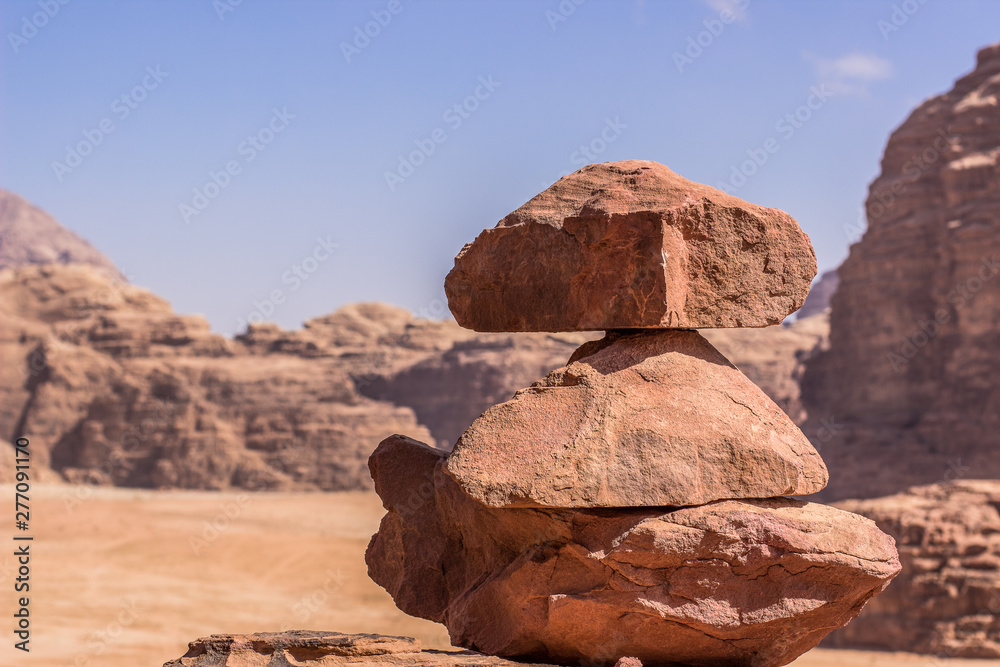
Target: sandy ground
column 123, row 578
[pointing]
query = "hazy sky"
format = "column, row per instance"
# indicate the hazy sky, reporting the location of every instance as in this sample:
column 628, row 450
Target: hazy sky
column 221, row 151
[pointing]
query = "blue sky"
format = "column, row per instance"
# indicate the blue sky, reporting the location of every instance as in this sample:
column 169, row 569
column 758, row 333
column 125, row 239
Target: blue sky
column 235, row 151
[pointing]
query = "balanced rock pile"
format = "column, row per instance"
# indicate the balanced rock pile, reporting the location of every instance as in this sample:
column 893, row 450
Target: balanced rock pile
column 632, row 503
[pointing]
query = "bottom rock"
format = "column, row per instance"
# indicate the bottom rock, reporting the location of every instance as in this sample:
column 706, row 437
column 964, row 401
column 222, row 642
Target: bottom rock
column 305, row 648
column 755, row 582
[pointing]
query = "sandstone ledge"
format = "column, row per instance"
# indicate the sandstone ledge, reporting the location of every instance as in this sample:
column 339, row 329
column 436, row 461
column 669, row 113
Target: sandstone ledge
column 315, row 648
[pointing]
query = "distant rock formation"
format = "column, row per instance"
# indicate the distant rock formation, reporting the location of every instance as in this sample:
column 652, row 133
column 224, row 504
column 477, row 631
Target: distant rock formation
column 112, row 387
column 29, row 235
column 907, row 392
column 819, row 297
column 947, row 599
column 307, row 648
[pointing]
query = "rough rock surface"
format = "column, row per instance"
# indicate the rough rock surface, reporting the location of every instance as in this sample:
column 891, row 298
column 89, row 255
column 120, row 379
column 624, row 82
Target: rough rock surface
column 728, row 583
column 636, row 419
column 632, row 244
column 910, row 379
column 308, row 648
column 946, row 601
column 29, row 235
column 774, row 358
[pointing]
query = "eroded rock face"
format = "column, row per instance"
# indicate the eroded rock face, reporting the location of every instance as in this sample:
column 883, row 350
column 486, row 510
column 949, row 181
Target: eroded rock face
column 307, row 648
column 910, row 379
column 946, row 601
column 112, row 387
column 731, row 582
column 636, row 419
column 627, row 245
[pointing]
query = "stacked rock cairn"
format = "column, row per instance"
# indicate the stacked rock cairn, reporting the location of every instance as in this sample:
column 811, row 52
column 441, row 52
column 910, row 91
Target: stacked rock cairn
column 634, row 503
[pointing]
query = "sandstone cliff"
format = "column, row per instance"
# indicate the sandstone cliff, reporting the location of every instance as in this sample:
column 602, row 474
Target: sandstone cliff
column 947, row 599
column 908, row 391
column 113, row 387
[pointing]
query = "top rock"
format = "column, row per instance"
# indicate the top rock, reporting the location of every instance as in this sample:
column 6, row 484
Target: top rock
column 631, row 244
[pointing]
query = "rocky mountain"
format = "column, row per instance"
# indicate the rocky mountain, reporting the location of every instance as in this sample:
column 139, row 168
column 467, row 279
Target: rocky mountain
column 907, row 392
column 29, row 235
column 113, row 387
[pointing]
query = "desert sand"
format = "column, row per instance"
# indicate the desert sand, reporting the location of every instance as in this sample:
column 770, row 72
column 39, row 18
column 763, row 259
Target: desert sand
column 125, row 578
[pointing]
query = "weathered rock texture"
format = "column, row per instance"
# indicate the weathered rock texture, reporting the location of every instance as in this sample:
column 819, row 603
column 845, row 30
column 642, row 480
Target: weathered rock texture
column 632, row 244
column 29, row 235
column 636, row 419
column 946, row 601
column 910, row 379
column 307, row 648
column 732, row 582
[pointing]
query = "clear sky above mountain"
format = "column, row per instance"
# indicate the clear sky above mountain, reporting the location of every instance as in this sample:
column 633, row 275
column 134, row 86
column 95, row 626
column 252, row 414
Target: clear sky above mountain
column 258, row 159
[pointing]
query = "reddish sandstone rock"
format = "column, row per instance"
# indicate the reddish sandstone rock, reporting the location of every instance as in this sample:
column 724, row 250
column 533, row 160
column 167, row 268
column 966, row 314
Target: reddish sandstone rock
column 307, row 648
column 728, row 583
column 632, row 244
column 636, row 419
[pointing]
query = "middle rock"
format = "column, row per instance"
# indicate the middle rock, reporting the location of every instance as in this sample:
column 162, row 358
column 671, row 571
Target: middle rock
column 636, row 419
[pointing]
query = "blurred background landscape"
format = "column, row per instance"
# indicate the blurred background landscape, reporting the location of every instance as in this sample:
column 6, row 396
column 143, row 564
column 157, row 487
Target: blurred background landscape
column 224, row 228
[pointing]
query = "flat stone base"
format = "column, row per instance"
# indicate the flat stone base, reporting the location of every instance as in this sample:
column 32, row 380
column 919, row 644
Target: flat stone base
column 314, row 648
